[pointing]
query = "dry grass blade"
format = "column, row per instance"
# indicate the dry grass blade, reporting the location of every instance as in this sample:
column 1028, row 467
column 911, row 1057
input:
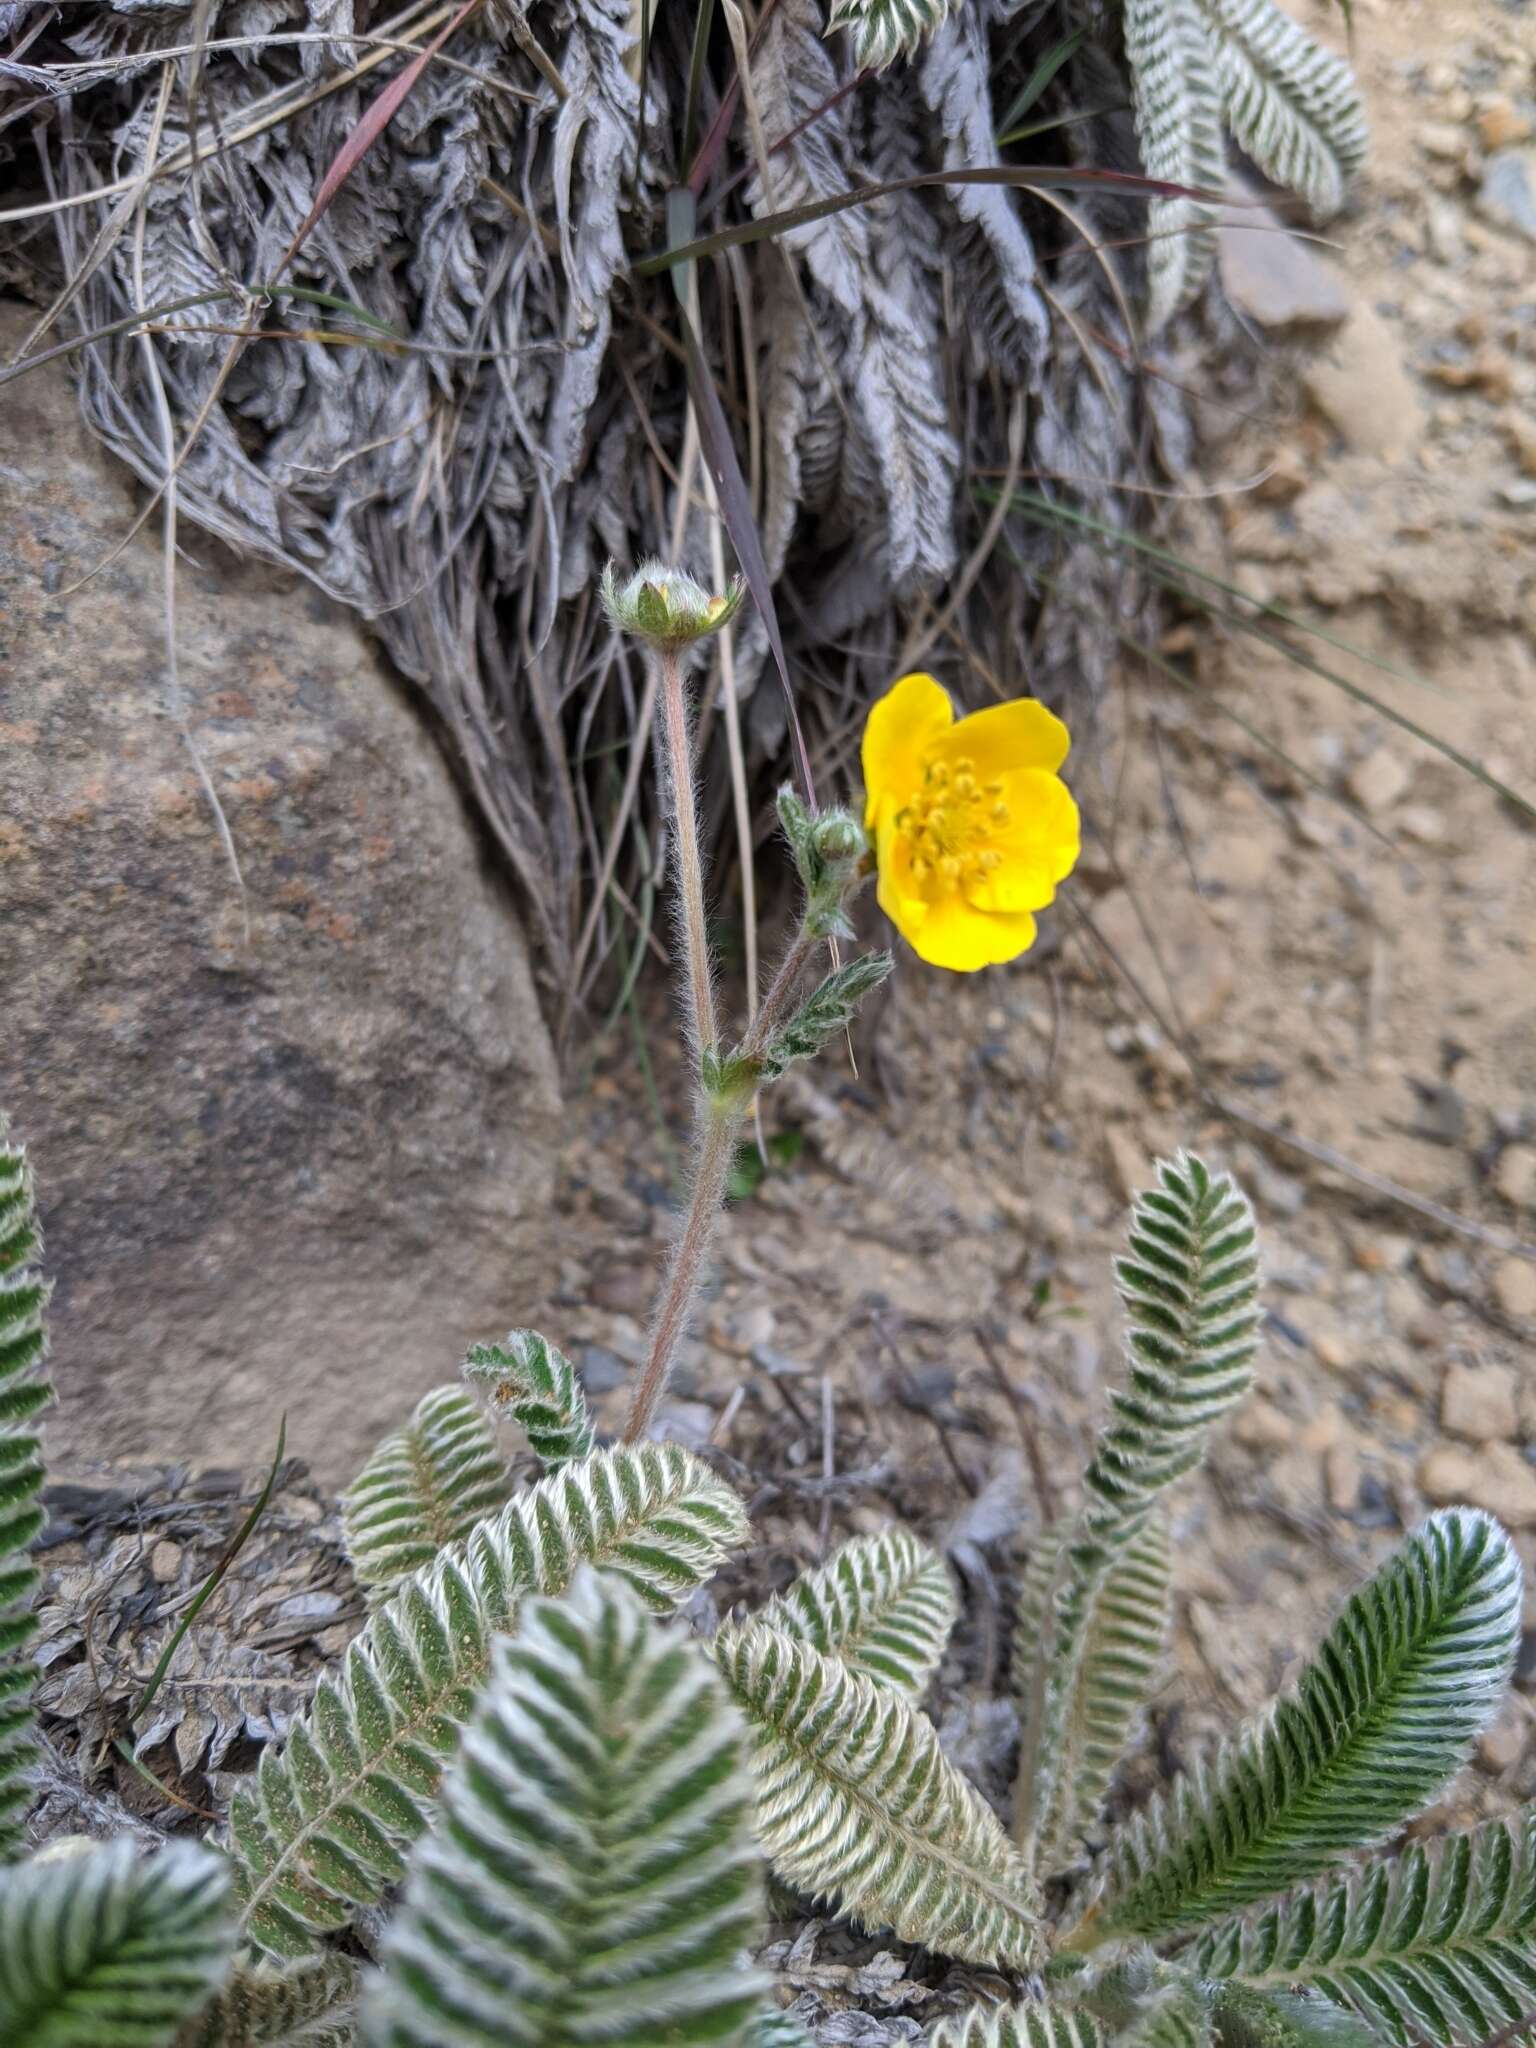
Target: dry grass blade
column 1029, row 178
column 265, row 114
column 1174, row 580
column 1035, row 507
column 372, row 126
column 736, row 510
column 189, row 303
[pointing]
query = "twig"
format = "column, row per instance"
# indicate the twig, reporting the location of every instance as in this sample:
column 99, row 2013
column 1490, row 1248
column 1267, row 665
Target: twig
column 780, row 1384
column 632, row 773
column 728, row 1414
column 914, row 1394
column 1487, row 1234
column 1045, row 1491
column 533, row 49
column 177, row 701
column 828, row 1460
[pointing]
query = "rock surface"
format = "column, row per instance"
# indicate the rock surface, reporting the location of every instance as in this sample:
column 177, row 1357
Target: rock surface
column 1273, row 278
column 292, row 1172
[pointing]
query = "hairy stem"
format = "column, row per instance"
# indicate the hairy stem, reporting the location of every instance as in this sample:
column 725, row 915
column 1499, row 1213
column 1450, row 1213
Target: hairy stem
column 678, row 778
column 717, row 1124
column 718, row 1128
column 780, row 990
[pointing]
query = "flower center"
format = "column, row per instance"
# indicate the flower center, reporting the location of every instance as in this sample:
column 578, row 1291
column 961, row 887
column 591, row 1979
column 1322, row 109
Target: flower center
column 949, row 823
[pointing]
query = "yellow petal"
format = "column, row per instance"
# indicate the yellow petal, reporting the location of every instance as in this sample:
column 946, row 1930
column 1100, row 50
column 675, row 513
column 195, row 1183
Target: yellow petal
column 898, row 733
column 963, row 939
column 1019, row 734
column 1038, row 846
column 899, row 894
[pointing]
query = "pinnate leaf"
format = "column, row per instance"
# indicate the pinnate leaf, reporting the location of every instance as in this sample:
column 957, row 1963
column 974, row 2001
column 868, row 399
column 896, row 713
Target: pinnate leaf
column 103, row 1948
column 593, row 1878
column 857, row 1803
column 425, row 1486
column 1385, row 1713
column 536, row 1386
column 324, row 1830
column 883, row 1605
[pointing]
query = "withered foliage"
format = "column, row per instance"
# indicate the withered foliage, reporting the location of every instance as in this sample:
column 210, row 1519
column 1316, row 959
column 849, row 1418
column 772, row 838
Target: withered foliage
column 461, row 487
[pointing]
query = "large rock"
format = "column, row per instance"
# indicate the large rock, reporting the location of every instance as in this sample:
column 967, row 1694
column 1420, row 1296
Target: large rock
column 298, row 1172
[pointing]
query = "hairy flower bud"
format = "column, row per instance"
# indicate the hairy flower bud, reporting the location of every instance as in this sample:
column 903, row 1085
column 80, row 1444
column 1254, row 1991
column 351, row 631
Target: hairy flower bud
column 831, row 851
column 666, row 606
column 839, row 838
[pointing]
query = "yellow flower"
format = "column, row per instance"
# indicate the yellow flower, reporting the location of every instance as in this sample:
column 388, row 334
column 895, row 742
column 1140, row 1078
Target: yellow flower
column 973, row 827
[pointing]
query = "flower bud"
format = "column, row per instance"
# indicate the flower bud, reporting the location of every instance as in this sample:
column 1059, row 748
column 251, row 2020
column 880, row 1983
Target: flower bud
column 666, row 606
column 839, row 838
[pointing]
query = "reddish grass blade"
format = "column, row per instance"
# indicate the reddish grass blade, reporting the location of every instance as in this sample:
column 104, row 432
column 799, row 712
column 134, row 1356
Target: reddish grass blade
column 368, row 130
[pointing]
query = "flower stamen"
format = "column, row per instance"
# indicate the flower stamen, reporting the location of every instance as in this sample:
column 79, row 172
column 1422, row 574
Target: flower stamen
column 947, row 823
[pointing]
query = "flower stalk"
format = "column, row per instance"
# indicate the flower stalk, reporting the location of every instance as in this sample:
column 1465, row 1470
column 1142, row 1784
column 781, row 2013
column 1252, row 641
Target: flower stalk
column 679, row 805
column 718, row 1132
column 668, row 611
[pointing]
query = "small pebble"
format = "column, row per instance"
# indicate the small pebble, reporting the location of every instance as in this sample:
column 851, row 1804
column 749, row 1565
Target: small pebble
column 1442, row 139
column 1514, row 1289
column 601, row 1370
column 1478, row 1402
column 1501, row 1747
column 1333, row 1351
column 1501, row 124
column 1379, row 780
column 1494, row 1477
column 1507, row 195
column 1515, row 1176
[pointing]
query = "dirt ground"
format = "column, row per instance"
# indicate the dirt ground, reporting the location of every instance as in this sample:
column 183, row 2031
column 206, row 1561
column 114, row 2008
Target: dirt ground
column 1340, row 946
